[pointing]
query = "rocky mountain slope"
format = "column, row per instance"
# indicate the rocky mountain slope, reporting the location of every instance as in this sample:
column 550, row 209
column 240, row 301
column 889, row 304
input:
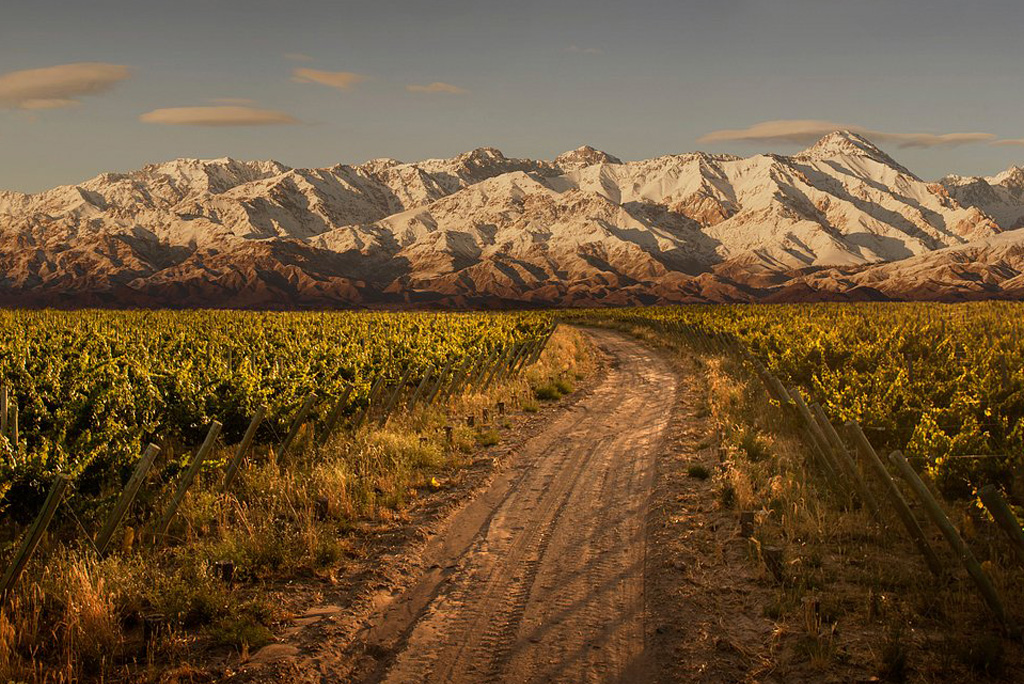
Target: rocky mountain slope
column 839, row 220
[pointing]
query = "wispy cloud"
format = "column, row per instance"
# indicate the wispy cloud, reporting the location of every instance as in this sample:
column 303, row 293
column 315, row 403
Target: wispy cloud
column 807, row 131
column 59, row 86
column 297, row 57
column 1009, row 142
column 578, row 50
column 243, row 101
column 342, row 80
column 217, row 116
column 437, row 87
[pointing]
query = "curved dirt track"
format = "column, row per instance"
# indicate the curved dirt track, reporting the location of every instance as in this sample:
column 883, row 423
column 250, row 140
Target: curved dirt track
column 541, row 577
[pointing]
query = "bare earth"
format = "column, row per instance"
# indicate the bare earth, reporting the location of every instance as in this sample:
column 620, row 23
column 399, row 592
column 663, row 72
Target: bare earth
column 541, row 577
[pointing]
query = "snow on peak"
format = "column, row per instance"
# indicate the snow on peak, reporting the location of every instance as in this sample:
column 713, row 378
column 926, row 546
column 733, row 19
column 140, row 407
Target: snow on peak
column 584, row 156
column 1013, row 176
column 844, row 144
column 482, row 155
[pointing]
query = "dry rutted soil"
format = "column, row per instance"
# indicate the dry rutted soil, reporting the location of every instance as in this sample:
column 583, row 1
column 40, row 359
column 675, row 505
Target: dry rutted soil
column 541, row 577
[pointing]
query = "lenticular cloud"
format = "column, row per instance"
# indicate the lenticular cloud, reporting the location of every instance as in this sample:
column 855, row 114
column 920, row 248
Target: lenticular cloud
column 58, row 86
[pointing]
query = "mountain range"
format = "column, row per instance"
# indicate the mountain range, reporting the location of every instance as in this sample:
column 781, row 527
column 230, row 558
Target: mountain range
column 841, row 220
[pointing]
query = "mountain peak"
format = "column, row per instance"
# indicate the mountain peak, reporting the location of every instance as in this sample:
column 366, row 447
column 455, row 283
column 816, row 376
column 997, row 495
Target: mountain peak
column 842, row 143
column 482, row 155
column 583, row 156
column 846, row 143
column 1011, row 176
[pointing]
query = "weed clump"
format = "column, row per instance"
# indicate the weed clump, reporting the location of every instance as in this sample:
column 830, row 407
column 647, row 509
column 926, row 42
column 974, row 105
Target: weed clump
column 488, row 438
column 547, row 392
column 698, row 471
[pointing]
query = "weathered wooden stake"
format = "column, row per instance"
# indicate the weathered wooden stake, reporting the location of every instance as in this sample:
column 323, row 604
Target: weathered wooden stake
column 371, row 400
column 390, row 405
column 960, row 548
column 774, row 560
column 411, row 404
column 1004, row 517
column 4, row 408
column 186, row 481
column 818, row 441
column 746, row 524
column 33, row 537
column 475, row 380
column 335, row 415
column 456, row 379
column 839, row 449
column 300, row 419
column 762, row 374
column 906, row 516
column 13, row 427
column 506, row 370
column 243, row 448
column 785, row 398
column 127, row 497
column 524, row 358
column 498, row 364
column 442, row 378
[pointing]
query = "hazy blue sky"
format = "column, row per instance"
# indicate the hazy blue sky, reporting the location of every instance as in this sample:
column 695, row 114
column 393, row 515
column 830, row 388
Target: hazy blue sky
column 637, row 79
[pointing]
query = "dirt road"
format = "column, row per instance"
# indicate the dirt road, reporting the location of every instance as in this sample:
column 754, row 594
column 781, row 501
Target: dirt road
column 541, row 577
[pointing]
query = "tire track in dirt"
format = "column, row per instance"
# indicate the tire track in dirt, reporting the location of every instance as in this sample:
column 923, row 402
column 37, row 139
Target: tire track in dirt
column 541, row 577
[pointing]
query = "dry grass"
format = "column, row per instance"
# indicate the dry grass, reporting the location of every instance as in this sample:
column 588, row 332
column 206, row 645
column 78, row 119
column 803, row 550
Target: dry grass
column 855, row 595
column 76, row 617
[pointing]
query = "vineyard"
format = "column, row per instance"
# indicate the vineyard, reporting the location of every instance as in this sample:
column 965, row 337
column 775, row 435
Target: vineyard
column 86, row 391
column 942, row 383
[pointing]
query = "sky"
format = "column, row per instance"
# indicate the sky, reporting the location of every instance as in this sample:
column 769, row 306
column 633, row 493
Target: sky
column 89, row 87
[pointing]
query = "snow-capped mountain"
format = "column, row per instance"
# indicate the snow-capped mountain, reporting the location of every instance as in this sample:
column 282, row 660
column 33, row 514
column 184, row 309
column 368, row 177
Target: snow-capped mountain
column 481, row 229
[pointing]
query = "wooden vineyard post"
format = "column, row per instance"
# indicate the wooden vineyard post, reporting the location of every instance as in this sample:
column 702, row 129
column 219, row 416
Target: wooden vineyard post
column 442, row 378
column 524, row 357
column 34, row 536
column 960, row 548
column 506, row 368
column 839, row 450
column 906, row 516
column 335, row 415
column 489, row 376
column 13, row 428
column 784, row 396
column 415, row 397
column 131, row 490
column 458, row 387
column 478, row 372
column 243, row 448
column 371, row 399
column 186, row 480
column 817, row 439
column 1004, row 517
column 506, row 364
column 464, row 368
column 4, row 408
column 543, row 343
column 300, row 419
column 762, row 375
column 390, row 405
